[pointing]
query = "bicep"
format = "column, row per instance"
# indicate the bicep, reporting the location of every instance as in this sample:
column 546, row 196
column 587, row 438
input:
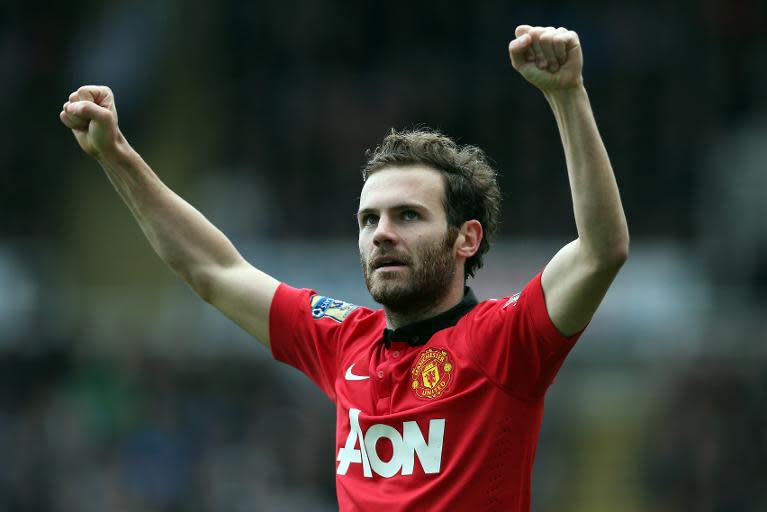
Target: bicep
column 244, row 294
column 574, row 285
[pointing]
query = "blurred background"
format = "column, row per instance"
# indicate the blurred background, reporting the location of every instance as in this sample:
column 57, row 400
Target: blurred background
column 120, row 390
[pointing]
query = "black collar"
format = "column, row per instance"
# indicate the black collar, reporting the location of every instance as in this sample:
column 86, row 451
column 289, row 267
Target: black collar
column 421, row 331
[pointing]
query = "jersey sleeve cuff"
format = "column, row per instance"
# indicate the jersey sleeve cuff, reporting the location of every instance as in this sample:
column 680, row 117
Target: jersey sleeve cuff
column 281, row 317
column 541, row 317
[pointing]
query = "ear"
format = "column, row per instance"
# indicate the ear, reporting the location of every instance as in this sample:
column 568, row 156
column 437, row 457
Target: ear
column 468, row 239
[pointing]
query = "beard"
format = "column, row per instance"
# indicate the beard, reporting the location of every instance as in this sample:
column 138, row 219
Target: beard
column 431, row 269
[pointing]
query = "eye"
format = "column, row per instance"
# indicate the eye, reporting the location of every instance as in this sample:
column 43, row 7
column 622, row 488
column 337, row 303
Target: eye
column 368, row 220
column 410, row 215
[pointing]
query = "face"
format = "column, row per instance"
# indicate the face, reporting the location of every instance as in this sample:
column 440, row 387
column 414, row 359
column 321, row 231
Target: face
column 406, row 249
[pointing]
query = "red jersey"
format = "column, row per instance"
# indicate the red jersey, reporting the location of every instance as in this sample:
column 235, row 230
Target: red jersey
column 442, row 414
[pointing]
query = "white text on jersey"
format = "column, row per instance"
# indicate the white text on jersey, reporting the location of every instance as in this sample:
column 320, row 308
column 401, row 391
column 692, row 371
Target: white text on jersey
column 405, row 448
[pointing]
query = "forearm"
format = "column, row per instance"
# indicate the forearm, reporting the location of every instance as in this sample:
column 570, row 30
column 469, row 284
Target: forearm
column 599, row 216
column 180, row 234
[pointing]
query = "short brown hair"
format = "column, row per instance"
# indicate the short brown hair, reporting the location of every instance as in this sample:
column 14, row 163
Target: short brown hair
column 471, row 187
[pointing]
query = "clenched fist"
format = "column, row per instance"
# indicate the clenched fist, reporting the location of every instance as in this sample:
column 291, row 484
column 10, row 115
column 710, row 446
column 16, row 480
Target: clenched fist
column 549, row 58
column 91, row 115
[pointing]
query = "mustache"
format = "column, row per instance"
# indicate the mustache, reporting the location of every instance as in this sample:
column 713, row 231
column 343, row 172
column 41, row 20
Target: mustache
column 374, row 258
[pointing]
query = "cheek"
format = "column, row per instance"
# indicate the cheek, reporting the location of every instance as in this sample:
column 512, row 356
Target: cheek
column 424, row 241
column 362, row 244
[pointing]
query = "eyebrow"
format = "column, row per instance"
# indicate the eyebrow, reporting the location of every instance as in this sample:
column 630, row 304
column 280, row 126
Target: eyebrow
column 403, row 206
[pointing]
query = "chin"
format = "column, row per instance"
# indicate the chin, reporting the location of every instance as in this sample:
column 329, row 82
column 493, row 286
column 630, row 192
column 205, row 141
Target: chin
column 386, row 291
column 388, row 275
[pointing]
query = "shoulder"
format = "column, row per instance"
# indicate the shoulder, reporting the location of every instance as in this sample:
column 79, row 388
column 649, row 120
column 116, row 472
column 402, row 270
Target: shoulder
column 307, row 305
column 506, row 315
column 493, row 308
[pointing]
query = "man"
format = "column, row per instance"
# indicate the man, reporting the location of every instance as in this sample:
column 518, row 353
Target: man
column 439, row 398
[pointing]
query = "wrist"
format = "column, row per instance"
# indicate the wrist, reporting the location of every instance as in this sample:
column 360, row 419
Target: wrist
column 561, row 97
column 115, row 152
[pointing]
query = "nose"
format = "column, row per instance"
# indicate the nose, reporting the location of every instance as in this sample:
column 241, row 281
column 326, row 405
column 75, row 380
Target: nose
column 385, row 233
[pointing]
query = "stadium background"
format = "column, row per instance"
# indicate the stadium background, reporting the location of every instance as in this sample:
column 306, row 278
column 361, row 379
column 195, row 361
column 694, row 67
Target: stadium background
column 120, row 390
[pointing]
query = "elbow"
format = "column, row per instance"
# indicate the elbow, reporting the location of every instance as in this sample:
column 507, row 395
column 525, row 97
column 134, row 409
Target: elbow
column 195, row 280
column 621, row 255
column 616, row 255
column 202, row 286
column 609, row 256
column 205, row 292
column 622, row 250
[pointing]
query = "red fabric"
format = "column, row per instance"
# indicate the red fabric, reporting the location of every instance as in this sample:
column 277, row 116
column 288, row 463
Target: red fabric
column 449, row 425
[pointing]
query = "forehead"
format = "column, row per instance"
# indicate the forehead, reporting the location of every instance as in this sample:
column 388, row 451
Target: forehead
column 396, row 185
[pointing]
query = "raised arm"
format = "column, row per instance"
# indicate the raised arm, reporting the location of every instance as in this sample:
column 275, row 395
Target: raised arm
column 193, row 247
column 577, row 278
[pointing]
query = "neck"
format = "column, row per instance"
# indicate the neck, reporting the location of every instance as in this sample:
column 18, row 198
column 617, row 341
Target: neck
column 397, row 319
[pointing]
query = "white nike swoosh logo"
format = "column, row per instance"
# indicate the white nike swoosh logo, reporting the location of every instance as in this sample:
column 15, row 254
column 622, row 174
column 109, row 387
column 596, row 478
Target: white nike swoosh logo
column 350, row 376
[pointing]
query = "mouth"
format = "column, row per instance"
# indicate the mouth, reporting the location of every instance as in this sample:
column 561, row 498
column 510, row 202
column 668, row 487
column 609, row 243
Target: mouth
column 388, row 264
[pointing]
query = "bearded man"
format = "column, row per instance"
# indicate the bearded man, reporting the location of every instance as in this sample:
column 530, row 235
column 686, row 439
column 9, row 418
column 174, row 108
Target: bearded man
column 439, row 397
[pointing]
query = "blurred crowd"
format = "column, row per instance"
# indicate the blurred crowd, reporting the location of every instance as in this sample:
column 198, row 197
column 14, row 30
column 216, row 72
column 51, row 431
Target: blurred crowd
column 706, row 445
column 146, row 435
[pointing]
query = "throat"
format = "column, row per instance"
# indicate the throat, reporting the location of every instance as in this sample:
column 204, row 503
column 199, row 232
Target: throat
column 397, row 319
column 400, row 317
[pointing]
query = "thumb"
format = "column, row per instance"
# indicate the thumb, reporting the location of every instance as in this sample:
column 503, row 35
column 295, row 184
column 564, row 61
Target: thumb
column 518, row 48
column 90, row 111
column 522, row 29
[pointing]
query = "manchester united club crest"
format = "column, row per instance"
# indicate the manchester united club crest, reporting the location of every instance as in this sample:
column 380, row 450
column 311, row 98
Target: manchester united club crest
column 432, row 373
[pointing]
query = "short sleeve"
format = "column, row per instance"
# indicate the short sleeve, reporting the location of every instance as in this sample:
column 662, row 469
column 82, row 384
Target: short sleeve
column 305, row 332
column 516, row 344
